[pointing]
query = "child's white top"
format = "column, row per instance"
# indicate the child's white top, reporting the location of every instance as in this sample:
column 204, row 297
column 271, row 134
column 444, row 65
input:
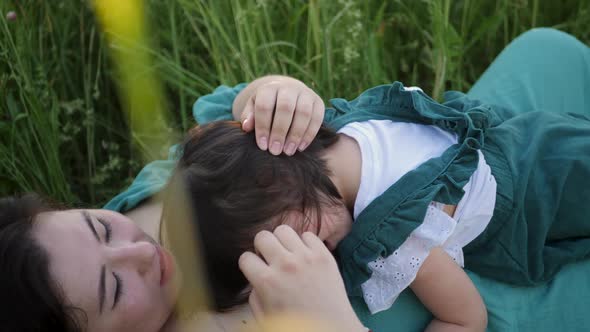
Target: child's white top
column 389, row 150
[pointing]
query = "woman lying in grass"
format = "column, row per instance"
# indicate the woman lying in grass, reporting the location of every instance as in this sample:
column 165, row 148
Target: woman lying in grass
column 86, row 270
column 431, row 188
column 96, row 270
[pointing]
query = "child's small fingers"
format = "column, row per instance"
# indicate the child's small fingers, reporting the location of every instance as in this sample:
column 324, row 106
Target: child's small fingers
column 283, row 116
column 264, row 105
column 300, row 123
column 247, row 116
column 317, row 118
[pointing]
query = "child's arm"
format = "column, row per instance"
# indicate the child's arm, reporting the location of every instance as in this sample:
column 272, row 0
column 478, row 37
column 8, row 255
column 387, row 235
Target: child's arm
column 446, row 290
column 285, row 114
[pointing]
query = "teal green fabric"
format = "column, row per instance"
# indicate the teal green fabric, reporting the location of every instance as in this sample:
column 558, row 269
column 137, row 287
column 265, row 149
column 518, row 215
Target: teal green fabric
column 153, row 177
column 553, row 77
column 150, row 181
column 542, row 70
column 560, row 305
column 541, row 162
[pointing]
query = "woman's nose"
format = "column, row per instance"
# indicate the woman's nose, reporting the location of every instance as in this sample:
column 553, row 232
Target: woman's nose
column 139, row 255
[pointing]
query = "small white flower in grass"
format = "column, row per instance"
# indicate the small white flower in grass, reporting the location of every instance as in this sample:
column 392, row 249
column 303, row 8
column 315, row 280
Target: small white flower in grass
column 261, row 3
column 11, row 15
column 350, row 54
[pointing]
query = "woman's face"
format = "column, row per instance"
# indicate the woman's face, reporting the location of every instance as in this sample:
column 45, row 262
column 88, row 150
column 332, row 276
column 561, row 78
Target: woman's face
column 108, row 267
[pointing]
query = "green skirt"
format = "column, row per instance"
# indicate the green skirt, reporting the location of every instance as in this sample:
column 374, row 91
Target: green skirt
column 542, row 219
column 541, row 162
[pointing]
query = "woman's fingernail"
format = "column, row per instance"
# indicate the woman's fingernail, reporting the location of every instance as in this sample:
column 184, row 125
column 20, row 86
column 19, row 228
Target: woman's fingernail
column 276, row 148
column 302, row 146
column 290, row 150
column 263, row 143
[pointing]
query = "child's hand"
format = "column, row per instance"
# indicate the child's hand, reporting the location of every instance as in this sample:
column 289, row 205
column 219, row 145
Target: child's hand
column 284, row 113
column 297, row 275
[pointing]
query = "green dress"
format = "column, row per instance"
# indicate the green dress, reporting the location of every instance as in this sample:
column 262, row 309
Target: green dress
column 543, row 70
column 541, row 163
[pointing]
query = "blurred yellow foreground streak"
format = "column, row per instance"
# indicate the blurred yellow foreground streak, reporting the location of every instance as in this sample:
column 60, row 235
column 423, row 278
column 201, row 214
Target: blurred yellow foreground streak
column 123, row 23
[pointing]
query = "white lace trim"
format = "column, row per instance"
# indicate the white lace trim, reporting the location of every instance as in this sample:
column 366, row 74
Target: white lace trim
column 391, row 275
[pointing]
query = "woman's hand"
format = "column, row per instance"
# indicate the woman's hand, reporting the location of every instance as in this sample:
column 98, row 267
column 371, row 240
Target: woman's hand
column 297, row 275
column 283, row 112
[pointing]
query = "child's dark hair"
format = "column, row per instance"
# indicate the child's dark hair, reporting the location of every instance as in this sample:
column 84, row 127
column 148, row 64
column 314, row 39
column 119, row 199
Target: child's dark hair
column 237, row 190
column 31, row 299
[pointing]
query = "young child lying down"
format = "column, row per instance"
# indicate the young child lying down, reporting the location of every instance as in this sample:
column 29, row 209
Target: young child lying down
column 406, row 191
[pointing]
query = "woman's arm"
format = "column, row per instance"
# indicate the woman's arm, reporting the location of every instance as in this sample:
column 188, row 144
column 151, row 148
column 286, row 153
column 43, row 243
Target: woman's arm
column 285, row 114
column 446, row 290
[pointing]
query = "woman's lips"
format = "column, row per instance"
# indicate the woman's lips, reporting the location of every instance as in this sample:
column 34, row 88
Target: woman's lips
column 166, row 265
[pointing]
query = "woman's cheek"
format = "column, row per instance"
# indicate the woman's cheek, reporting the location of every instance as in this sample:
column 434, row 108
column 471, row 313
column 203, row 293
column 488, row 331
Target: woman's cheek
column 138, row 305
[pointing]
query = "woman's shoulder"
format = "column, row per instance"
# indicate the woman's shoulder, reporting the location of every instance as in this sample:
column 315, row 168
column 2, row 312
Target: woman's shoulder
column 239, row 319
column 147, row 216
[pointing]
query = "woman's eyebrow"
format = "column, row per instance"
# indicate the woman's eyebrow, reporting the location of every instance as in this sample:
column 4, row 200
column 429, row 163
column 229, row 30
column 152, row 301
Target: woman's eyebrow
column 101, row 283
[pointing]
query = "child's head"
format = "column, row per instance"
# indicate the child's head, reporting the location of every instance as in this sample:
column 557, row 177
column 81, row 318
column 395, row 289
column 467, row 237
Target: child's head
column 237, row 190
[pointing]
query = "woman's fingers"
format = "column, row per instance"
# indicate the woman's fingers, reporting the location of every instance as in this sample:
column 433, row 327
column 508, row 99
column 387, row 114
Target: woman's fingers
column 256, row 305
column 317, row 117
column 301, row 120
column 313, row 242
column 283, row 116
column 289, row 239
column 264, row 106
column 252, row 266
column 269, row 247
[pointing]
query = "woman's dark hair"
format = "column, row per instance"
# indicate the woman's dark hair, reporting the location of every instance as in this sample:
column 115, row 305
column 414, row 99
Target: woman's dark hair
column 236, row 190
column 31, row 300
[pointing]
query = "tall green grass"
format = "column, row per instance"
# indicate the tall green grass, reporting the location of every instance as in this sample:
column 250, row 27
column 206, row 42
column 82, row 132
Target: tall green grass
column 61, row 129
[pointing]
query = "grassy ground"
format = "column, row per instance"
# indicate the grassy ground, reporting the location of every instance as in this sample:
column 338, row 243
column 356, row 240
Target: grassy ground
column 61, row 129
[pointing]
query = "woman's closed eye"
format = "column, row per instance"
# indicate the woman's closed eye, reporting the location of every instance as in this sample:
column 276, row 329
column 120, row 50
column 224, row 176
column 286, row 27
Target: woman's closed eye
column 118, row 285
column 118, row 290
column 108, row 230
